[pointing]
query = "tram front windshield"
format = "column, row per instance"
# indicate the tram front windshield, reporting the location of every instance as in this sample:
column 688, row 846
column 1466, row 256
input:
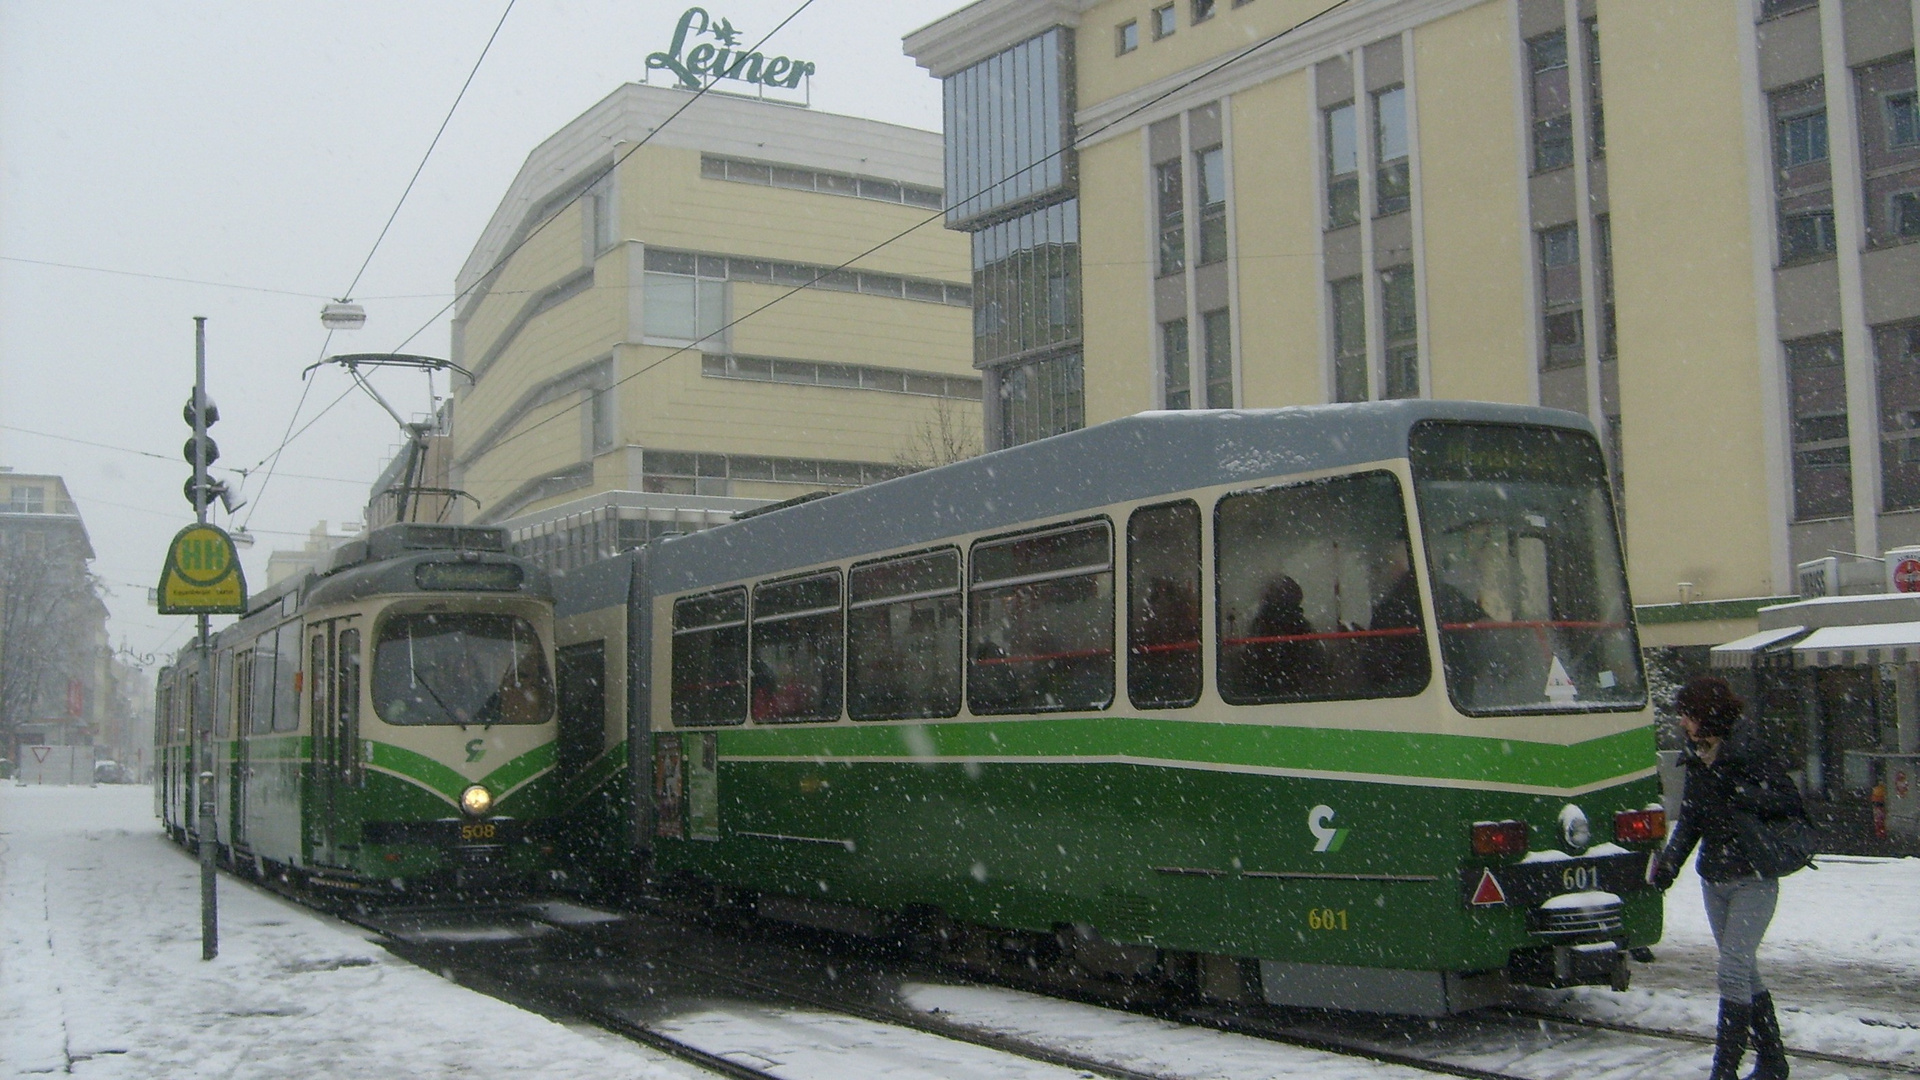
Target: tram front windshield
column 1526, row 571
column 460, row 668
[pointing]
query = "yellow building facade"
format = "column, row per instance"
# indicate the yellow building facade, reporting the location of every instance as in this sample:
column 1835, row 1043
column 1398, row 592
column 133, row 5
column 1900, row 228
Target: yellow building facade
column 663, row 328
column 1696, row 223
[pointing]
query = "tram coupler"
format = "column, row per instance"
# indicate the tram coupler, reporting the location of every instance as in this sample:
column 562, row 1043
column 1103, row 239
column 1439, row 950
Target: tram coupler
column 1557, row 967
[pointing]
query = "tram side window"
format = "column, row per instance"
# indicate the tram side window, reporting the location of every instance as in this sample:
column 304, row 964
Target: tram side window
column 797, row 637
column 223, row 692
column 347, row 700
column 1040, row 622
column 318, row 689
column 1163, row 606
column 286, row 699
column 710, row 659
column 263, row 663
column 904, row 637
column 243, row 693
column 1317, row 598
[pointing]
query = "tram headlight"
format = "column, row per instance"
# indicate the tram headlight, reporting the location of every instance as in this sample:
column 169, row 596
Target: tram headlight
column 1575, row 830
column 476, row 800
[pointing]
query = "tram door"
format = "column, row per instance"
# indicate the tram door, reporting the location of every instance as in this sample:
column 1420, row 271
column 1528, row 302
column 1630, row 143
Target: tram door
column 333, row 694
column 243, row 746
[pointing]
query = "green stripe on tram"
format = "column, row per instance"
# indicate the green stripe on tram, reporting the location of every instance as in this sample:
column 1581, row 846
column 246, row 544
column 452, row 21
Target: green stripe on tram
column 446, row 781
column 1388, row 755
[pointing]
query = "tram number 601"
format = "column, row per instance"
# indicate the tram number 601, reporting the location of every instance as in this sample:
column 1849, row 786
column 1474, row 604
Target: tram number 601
column 1326, row 919
column 1580, row 878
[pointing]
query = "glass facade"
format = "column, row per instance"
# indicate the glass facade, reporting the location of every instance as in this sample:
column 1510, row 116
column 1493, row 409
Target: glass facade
column 1010, row 182
column 1008, row 124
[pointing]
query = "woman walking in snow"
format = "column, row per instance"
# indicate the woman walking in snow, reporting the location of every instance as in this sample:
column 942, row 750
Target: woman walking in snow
column 1732, row 785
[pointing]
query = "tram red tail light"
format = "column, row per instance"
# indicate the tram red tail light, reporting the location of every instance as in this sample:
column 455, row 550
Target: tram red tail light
column 1639, row 826
column 1499, row 838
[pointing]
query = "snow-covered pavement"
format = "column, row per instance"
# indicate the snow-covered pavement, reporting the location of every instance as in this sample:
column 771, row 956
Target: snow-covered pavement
column 100, row 976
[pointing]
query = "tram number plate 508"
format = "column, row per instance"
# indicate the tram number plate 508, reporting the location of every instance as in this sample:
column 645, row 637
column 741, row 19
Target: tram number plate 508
column 1326, row 919
column 1580, row 878
column 483, row 831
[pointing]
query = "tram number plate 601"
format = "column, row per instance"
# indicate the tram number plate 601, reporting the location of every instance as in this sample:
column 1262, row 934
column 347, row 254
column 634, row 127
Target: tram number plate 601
column 483, row 831
column 1326, row 919
column 1580, row 878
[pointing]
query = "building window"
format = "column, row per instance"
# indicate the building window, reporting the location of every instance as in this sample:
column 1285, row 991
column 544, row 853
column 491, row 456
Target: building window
column 1596, row 116
column 1400, row 326
column 1392, row 185
column 1890, row 151
column 1202, row 10
column 1773, row 9
column 1349, row 311
column 1170, row 205
column 1806, row 234
column 675, row 472
column 850, row 376
column 1008, row 119
column 1552, row 102
column 1903, row 214
column 765, row 174
column 1603, row 275
column 1163, row 22
column 1026, row 272
column 682, row 305
column 1803, row 139
column 1176, row 376
column 1562, row 331
column 1343, row 167
column 1897, row 367
column 26, row 499
column 1126, row 37
column 1216, row 340
column 1822, row 457
column 1903, row 118
column 1803, row 178
column 1039, row 398
column 605, row 214
column 1210, row 172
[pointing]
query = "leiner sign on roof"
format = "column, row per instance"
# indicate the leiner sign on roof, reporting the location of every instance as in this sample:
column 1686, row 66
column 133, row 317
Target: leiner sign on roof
column 720, row 59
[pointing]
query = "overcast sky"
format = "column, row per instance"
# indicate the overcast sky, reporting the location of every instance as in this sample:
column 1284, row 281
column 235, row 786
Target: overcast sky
column 263, row 145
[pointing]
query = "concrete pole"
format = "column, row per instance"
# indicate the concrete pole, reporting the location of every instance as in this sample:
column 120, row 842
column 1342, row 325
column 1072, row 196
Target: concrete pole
column 203, row 700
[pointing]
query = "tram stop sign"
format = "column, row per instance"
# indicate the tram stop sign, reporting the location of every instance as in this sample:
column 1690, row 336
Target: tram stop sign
column 203, row 575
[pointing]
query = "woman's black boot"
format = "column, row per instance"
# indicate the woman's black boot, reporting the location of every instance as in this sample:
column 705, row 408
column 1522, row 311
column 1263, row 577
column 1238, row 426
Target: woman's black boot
column 1769, row 1050
column 1731, row 1041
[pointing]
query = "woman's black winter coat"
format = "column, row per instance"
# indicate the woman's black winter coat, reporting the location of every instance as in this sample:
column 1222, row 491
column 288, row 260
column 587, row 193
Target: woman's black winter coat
column 1744, row 778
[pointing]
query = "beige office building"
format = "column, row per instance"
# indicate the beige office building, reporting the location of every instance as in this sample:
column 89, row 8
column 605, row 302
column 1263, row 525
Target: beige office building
column 661, row 329
column 1697, row 223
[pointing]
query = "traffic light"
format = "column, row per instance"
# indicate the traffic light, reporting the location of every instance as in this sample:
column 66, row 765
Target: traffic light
column 201, row 452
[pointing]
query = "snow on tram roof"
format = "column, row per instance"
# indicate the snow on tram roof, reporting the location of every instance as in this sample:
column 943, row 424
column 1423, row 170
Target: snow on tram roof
column 1135, row 457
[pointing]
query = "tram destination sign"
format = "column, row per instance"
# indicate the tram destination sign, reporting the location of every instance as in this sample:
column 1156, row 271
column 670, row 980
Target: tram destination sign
column 692, row 60
column 203, row 575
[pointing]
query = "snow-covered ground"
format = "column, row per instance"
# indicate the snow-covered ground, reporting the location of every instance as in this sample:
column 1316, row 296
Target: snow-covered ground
column 100, row 976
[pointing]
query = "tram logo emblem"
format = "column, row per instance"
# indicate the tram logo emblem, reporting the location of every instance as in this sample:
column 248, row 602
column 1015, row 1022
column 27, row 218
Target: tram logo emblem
column 1325, row 837
column 476, row 749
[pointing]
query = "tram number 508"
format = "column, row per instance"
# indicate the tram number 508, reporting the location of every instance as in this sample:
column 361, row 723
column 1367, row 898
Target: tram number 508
column 1326, row 919
column 1580, row 878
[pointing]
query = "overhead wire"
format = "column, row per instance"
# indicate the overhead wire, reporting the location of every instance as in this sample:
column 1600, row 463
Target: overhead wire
column 1078, row 140
column 593, row 178
column 164, row 457
column 272, row 460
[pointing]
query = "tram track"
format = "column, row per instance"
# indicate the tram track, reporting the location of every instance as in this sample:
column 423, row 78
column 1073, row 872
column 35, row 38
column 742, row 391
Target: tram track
column 463, row 957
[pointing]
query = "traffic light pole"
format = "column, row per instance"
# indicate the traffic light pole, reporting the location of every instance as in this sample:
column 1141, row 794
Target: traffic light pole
column 203, row 698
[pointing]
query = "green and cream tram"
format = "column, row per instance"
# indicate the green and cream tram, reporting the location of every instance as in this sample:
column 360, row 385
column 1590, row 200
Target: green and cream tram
column 386, row 724
column 1337, row 706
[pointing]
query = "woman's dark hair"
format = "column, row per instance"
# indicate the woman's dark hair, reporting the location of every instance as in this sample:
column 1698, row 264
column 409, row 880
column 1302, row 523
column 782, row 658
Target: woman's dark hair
column 1712, row 704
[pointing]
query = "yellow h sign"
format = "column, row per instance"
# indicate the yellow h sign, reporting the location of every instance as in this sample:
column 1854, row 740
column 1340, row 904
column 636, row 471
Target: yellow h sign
column 203, row 575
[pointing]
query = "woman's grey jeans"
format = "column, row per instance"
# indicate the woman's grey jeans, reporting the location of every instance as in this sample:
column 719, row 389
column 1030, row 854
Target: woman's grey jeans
column 1739, row 911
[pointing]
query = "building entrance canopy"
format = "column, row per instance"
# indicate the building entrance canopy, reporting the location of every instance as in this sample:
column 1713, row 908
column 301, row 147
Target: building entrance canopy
column 1830, row 631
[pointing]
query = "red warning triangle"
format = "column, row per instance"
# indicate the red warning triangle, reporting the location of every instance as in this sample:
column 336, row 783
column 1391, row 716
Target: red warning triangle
column 1488, row 893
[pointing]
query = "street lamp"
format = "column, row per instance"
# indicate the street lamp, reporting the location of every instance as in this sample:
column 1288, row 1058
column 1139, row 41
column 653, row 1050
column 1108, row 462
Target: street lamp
column 343, row 314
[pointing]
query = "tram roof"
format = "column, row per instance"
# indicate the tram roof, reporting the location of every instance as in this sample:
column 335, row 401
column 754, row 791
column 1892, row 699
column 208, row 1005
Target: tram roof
column 1136, row 457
